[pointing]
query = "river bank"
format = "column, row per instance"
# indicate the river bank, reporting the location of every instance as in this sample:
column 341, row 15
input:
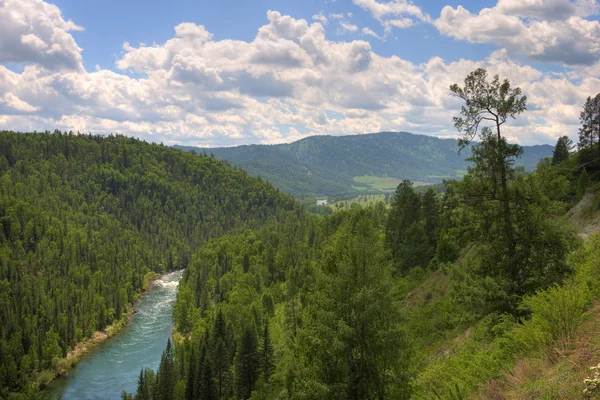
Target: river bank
column 114, row 365
column 61, row 367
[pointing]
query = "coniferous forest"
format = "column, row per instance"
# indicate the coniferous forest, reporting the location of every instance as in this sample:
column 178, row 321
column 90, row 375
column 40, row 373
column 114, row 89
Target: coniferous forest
column 85, row 220
column 438, row 296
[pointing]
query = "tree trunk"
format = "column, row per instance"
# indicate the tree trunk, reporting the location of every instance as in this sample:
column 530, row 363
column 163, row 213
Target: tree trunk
column 508, row 226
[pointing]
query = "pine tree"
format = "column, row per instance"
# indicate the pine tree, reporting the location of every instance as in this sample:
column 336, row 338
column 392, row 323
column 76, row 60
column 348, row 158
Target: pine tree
column 206, row 378
column 492, row 102
column 267, row 356
column 589, row 133
column 165, row 378
column 190, row 384
column 410, row 228
column 563, row 149
column 140, row 387
column 221, row 355
column 248, row 364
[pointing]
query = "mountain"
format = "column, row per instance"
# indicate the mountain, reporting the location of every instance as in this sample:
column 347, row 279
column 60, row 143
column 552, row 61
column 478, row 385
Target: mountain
column 333, row 165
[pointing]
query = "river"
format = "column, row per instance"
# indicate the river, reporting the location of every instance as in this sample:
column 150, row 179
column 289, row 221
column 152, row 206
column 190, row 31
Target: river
column 115, row 364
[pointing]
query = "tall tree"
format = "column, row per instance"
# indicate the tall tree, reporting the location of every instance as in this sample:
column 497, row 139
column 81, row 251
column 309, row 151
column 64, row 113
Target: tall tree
column 492, row 102
column 190, row 385
column 562, row 150
column 221, row 354
column 248, row 364
column 266, row 357
column 407, row 227
column 355, row 320
column 165, row 378
column 589, row 132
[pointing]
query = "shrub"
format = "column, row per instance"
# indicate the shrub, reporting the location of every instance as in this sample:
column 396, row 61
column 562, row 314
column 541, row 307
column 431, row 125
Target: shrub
column 555, row 315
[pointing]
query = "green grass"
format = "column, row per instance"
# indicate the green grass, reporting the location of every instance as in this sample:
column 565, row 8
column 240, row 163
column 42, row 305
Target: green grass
column 361, row 200
column 384, row 182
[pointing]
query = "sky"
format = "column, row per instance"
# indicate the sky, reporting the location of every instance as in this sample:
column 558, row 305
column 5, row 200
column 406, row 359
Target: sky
column 230, row 72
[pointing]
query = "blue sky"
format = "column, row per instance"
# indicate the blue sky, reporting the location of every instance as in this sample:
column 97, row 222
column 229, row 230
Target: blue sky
column 153, row 21
column 229, row 72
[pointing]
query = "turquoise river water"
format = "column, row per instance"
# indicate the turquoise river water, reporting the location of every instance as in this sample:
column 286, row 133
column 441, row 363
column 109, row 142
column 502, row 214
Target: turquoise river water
column 115, row 364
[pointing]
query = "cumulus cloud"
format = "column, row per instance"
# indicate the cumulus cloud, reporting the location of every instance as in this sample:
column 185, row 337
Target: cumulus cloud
column 395, row 13
column 288, row 82
column 32, row 31
column 546, row 30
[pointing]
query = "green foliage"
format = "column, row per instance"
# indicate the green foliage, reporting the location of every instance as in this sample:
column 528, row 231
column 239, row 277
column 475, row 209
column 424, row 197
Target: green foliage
column 555, row 315
column 489, row 349
column 493, row 101
column 582, row 183
column 85, row 219
column 411, row 227
column 516, row 255
column 351, row 322
column 304, row 308
column 247, row 364
column 589, row 133
column 562, row 150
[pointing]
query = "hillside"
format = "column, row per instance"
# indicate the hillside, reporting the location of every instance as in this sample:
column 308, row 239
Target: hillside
column 333, row 165
column 85, row 220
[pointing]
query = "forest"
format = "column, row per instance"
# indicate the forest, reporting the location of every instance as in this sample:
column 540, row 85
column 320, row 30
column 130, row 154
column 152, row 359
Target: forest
column 86, row 220
column 328, row 165
column 436, row 296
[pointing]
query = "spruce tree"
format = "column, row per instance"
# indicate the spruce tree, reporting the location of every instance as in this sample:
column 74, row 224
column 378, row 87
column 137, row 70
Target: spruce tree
column 190, row 383
column 248, row 364
column 267, row 356
column 166, row 375
column 221, row 355
column 562, row 150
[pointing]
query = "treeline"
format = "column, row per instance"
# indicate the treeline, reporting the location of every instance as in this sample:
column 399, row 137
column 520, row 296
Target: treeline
column 85, row 219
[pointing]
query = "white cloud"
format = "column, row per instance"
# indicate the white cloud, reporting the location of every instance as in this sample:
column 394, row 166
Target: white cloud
column 32, row 31
column 336, row 16
column 546, row 30
column 13, row 102
column 370, row 32
column 398, row 23
column 290, row 81
column 320, row 17
column 395, row 13
column 348, row 27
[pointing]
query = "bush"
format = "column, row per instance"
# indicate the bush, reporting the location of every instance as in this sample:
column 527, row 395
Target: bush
column 44, row 378
column 60, row 365
column 555, row 315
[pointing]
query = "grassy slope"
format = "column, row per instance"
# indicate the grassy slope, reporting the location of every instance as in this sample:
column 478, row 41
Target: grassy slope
column 535, row 377
column 426, row 300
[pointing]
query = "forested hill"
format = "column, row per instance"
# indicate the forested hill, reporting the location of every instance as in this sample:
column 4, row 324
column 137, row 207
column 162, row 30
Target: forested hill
column 327, row 165
column 85, row 219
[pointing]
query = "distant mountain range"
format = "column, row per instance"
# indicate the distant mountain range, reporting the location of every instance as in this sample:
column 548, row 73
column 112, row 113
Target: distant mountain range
column 334, row 165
